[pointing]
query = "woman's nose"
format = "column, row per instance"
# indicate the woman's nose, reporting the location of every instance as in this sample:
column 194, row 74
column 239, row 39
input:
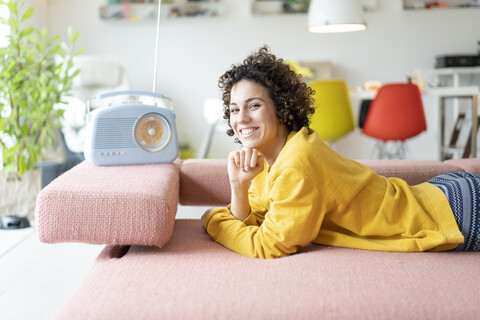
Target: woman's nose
column 243, row 115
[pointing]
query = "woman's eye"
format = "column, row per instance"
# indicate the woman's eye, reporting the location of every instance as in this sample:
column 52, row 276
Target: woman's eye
column 234, row 110
column 254, row 106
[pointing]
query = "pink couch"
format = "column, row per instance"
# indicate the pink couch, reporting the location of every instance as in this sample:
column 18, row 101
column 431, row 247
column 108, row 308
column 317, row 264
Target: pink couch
column 156, row 267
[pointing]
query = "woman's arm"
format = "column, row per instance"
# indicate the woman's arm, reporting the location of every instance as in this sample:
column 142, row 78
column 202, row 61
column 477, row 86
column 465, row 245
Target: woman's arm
column 243, row 165
column 296, row 212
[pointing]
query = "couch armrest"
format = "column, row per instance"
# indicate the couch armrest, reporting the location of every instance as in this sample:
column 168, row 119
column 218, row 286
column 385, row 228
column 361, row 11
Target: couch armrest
column 110, row 205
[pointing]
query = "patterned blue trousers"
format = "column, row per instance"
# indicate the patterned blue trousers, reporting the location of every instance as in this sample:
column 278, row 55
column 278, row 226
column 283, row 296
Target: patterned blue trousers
column 463, row 193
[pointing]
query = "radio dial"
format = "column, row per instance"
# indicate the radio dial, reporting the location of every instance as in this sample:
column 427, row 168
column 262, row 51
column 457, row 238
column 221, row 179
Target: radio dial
column 152, row 132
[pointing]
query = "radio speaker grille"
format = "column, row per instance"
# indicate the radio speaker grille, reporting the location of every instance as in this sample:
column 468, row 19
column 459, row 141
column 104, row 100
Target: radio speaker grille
column 113, row 133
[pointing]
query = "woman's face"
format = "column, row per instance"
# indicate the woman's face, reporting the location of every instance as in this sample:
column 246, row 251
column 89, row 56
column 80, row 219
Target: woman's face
column 253, row 118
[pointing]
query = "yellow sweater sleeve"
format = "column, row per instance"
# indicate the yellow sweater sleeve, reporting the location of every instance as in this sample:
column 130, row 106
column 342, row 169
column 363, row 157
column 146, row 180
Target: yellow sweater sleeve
column 293, row 219
column 257, row 210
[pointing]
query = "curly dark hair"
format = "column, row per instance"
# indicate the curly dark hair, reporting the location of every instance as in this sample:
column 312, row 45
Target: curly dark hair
column 291, row 96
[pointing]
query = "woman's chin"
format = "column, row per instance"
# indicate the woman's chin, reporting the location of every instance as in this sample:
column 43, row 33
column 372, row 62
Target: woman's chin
column 248, row 144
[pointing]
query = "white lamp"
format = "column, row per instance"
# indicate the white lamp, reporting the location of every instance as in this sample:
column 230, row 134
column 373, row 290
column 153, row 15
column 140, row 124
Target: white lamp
column 335, row 16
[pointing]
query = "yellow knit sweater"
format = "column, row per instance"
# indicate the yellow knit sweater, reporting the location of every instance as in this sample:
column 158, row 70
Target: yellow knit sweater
column 313, row 194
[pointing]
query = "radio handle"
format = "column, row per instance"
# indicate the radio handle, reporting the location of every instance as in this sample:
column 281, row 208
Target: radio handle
column 127, row 92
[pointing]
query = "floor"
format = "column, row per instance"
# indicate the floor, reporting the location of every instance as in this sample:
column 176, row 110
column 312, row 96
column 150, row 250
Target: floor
column 35, row 277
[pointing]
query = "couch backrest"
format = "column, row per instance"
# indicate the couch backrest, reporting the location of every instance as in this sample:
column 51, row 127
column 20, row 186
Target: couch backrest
column 204, row 182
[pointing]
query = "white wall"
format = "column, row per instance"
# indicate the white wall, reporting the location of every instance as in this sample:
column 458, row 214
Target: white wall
column 39, row 18
column 195, row 51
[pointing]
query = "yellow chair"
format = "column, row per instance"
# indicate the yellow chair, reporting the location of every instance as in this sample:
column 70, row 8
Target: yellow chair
column 333, row 117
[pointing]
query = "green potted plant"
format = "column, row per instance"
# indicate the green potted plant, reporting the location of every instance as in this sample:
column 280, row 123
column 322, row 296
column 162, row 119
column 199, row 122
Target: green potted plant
column 36, row 73
column 186, row 150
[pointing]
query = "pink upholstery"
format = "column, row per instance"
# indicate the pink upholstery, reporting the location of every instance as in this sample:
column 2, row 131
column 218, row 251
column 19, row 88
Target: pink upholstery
column 110, row 205
column 137, row 204
column 412, row 171
column 204, row 182
column 193, row 277
column 468, row 165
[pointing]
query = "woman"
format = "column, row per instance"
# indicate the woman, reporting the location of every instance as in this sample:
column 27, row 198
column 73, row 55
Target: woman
column 288, row 188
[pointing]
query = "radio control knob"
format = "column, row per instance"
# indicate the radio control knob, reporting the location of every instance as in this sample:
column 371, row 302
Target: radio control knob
column 152, row 132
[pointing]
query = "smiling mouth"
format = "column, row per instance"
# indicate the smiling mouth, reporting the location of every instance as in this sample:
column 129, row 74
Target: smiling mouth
column 247, row 132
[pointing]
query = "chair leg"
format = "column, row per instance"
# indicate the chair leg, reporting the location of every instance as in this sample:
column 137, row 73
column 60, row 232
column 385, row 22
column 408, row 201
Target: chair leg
column 404, row 150
column 389, row 150
column 398, row 151
column 383, row 150
column 380, row 150
column 376, row 149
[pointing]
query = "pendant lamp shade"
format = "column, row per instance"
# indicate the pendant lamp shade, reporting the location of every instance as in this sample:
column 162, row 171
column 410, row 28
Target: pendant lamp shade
column 335, row 16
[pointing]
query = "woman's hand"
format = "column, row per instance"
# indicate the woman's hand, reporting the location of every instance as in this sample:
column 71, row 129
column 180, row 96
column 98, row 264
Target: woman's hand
column 244, row 165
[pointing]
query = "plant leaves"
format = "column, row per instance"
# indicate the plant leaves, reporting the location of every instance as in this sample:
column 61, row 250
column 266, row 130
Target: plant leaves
column 75, row 37
column 26, row 32
column 79, row 52
column 28, row 13
column 12, row 6
column 13, row 23
column 36, row 74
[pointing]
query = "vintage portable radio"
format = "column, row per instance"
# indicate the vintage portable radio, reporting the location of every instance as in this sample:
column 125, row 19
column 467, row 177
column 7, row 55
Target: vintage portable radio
column 130, row 127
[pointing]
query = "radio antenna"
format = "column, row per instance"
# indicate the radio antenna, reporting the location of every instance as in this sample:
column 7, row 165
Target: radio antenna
column 156, row 47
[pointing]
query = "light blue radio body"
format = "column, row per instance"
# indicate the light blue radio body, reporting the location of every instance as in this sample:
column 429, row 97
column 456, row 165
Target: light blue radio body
column 129, row 128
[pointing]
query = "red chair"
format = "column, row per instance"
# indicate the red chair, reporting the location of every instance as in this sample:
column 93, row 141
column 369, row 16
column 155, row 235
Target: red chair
column 395, row 115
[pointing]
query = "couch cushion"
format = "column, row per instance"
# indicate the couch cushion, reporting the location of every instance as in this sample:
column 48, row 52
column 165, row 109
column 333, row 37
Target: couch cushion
column 412, row 171
column 192, row 277
column 468, row 165
column 204, row 182
column 110, row 205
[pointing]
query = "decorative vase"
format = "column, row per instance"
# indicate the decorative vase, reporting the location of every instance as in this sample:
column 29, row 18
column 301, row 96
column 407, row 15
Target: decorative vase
column 18, row 196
